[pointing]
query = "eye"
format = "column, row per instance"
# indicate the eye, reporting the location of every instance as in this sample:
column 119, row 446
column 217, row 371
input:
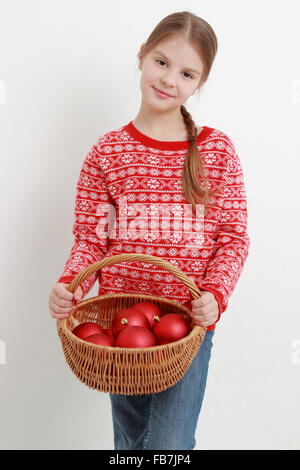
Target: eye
column 159, row 60
column 189, row 74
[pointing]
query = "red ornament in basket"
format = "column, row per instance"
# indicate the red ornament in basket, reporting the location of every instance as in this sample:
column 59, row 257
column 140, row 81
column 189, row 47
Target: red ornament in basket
column 87, row 329
column 128, row 317
column 136, row 337
column 150, row 310
column 171, row 327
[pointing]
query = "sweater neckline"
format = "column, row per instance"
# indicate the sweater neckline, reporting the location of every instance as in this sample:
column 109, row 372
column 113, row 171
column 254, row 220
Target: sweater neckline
column 164, row 144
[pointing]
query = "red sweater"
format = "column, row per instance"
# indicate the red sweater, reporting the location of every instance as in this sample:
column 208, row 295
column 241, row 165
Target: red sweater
column 131, row 175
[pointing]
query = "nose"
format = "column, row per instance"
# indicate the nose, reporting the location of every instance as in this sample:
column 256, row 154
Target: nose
column 168, row 79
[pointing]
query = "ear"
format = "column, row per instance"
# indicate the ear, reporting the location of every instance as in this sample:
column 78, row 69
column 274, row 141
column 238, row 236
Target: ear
column 141, row 56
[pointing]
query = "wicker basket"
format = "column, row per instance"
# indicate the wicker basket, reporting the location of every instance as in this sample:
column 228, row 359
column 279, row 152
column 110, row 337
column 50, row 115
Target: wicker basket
column 128, row 371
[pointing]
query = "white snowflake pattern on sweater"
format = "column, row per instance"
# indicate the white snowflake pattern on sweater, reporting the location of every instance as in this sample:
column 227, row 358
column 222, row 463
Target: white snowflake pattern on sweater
column 126, row 165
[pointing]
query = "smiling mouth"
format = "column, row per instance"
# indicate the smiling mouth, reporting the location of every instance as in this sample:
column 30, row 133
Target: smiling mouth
column 163, row 92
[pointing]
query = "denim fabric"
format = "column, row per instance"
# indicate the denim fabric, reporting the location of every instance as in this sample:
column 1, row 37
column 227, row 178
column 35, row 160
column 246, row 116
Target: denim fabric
column 166, row 420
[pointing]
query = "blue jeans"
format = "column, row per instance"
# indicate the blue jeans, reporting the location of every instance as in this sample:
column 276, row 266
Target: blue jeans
column 166, row 420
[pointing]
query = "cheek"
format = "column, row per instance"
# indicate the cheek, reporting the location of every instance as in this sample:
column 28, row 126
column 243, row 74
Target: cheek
column 187, row 90
column 150, row 76
column 185, row 94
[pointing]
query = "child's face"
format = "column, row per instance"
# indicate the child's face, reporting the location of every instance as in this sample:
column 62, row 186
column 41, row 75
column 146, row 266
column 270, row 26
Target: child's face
column 170, row 70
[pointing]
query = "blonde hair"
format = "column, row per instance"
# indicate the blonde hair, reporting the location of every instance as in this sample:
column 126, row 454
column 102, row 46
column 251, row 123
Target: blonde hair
column 202, row 37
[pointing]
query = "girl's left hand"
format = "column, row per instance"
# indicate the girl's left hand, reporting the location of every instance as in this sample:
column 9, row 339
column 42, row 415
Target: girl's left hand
column 205, row 310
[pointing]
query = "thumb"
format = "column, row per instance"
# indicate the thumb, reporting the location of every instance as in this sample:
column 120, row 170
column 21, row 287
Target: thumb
column 78, row 294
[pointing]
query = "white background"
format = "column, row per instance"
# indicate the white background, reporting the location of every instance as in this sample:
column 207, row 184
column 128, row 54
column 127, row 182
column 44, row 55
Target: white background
column 69, row 74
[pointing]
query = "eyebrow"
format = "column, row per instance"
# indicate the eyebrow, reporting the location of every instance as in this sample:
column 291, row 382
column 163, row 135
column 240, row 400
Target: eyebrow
column 188, row 68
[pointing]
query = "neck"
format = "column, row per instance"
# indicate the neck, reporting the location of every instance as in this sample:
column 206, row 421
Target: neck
column 159, row 123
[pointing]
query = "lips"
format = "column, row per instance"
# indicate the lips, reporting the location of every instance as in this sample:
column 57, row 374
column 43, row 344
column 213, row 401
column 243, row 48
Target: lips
column 163, row 92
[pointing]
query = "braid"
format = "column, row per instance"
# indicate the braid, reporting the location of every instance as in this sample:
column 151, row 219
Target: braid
column 189, row 124
column 193, row 165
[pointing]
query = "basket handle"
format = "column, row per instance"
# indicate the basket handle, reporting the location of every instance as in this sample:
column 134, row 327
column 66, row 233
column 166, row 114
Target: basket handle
column 109, row 261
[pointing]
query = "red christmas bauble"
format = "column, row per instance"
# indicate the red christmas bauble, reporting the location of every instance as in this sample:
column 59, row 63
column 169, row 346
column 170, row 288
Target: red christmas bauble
column 86, row 329
column 135, row 337
column 150, row 310
column 128, row 317
column 108, row 332
column 171, row 327
column 100, row 338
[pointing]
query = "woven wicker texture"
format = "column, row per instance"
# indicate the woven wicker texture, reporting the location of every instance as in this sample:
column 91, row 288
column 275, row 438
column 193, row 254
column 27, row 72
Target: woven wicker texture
column 129, row 371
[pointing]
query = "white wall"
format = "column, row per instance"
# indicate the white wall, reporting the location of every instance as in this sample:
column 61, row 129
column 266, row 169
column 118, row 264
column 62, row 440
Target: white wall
column 69, row 74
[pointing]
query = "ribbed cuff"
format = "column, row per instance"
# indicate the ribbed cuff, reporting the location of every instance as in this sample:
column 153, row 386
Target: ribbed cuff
column 66, row 279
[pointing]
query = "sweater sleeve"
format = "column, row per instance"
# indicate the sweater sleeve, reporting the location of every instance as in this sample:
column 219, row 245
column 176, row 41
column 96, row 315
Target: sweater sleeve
column 232, row 241
column 92, row 205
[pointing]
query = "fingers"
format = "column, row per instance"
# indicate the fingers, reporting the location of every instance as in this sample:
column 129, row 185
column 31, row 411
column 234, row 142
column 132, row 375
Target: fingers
column 78, row 293
column 58, row 316
column 205, row 319
column 205, row 299
column 59, row 312
column 62, row 292
column 61, row 302
column 203, row 310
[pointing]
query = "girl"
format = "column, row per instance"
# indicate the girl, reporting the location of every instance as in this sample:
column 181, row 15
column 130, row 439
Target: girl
column 161, row 163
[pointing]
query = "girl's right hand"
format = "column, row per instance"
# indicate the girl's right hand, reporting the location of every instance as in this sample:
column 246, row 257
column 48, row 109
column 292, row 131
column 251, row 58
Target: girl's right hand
column 62, row 301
